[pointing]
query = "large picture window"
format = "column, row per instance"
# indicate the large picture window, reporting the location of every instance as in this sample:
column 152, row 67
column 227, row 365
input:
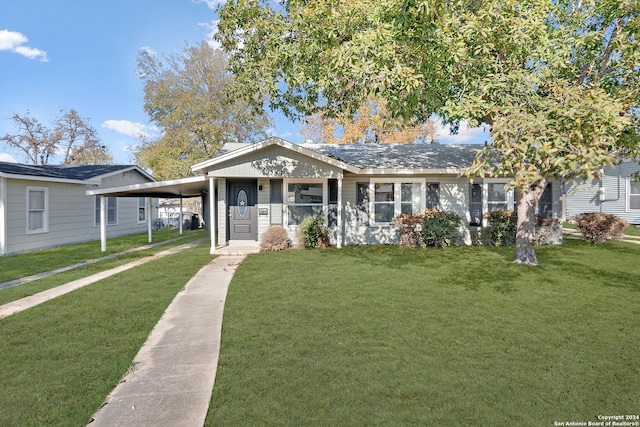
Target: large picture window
column 112, row 210
column 392, row 198
column 634, row 194
column 37, row 210
column 497, row 198
column 304, row 200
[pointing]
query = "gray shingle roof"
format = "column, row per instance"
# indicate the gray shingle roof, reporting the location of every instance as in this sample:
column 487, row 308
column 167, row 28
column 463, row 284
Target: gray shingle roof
column 400, row 156
column 81, row 172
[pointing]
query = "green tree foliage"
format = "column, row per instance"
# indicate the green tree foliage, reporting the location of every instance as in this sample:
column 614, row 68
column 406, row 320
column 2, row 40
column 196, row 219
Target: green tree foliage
column 72, row 137
column 556, row 80
column 185, row 96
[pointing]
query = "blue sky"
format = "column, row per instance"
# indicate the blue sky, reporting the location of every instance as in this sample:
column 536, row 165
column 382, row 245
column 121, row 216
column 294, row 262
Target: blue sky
column 81, row 54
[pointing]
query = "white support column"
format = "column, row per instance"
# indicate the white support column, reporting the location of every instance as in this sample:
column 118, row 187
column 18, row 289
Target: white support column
column 3, row 216
column 340, row 225
column 180, row 220
column 103, row 223
column 212, row 214
column 147, row 203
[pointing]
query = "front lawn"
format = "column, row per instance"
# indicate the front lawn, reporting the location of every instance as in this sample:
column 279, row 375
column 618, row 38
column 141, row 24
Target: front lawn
column 62, row 358
column 460, row 336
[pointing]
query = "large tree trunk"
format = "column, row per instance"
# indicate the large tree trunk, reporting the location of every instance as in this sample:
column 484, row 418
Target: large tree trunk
column 527, row 201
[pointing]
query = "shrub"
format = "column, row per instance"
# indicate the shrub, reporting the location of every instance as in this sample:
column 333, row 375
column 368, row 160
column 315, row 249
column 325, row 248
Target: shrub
column 440, row 228
column 501, row 230
column 313, row 232
column 599, row 227
column 409, row 227
column 275, row 238
column 548, row 231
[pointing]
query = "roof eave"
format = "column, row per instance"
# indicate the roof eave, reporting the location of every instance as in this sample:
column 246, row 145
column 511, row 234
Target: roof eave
column 412, row 171
column 50, row 179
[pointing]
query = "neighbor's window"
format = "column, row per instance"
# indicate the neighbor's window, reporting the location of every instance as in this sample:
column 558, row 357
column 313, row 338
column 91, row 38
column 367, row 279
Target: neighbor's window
column 142, row 209
column 304, row 200
column 545, row 204
column 37, row 210
column 634, row 194
column 112, row 210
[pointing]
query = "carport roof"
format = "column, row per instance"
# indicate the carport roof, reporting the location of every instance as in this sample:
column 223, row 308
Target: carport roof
column 193, row 186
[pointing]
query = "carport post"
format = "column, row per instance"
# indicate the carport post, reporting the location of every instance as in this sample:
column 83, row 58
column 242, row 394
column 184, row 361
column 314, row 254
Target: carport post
column 103, row 223
column 149, row 219
column 212, row 214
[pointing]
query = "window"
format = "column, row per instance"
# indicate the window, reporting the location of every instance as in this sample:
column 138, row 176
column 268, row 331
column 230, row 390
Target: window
column 362, row 203
column 496, row 197
column 304, row 200
column 545, row 204
column 475, row 207
column 433, row 195
column 634, row 194
column 112, row 210
column 392, row 198
column 37, row 210
column 142, row 209
column 383, row 201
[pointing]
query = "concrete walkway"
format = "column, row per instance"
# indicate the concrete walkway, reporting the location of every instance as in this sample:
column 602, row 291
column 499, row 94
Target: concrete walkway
column 172, row 377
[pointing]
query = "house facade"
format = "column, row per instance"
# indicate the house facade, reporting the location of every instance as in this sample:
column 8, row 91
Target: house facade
column 358, row 188
column 617, row 193
column 46, row 206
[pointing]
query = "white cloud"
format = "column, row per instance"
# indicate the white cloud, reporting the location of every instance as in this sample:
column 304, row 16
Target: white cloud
column 14, row 41
column 211, row 29
column 465, row 135
column 212, row 4
column 4, row 157
column 132, row 129
column 148, row 50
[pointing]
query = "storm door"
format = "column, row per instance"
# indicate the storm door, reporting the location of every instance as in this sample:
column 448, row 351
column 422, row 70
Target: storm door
column 243, row 218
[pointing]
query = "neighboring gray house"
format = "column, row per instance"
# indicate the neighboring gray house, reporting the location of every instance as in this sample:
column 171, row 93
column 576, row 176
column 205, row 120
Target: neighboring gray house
column 617, row 193
column 359, row 188
column 45, row 206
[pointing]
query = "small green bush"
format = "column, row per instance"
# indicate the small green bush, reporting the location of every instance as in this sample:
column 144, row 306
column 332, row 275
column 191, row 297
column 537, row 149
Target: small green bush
column 314, row 233
column 501, row 230
column 275, row 238
column 599, row 227
column 440, row 228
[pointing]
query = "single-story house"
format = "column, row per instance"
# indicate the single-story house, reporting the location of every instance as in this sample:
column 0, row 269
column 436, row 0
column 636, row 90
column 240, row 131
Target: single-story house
column 46, row 206
column 358, row 188
column 618, row 193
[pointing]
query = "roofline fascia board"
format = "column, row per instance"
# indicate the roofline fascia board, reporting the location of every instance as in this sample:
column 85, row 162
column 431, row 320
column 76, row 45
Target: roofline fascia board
column 405, row 171
column 126, row 169
column 274, row 141
column 49, row 179
column 147, row 185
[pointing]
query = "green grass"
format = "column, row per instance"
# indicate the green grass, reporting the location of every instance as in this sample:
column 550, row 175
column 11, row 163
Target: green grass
column 22, row 265
column 62, row 358
column 460, row 336
column 31, row 288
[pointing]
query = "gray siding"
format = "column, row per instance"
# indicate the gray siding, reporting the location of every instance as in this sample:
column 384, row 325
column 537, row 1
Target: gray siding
column 584, row 196
column 71, row 214
column 275, row 161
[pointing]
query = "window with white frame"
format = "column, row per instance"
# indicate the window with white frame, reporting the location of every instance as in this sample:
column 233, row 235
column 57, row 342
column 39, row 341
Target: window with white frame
column 392, row 198
column 633, row 194
column 37, row 210
column 112, row 210
column 142, row 209
column 497, row 197
column 304, row 199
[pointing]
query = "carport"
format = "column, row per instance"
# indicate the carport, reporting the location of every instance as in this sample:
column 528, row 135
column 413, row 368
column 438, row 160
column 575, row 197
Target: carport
column 196, row 186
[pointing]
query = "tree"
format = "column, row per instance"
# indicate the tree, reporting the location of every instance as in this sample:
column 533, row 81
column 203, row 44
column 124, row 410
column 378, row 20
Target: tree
column 79, row 141
column 33, row 139
column 557, row 81
column 185, row 96
column 72, row 137
column 372, row 123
